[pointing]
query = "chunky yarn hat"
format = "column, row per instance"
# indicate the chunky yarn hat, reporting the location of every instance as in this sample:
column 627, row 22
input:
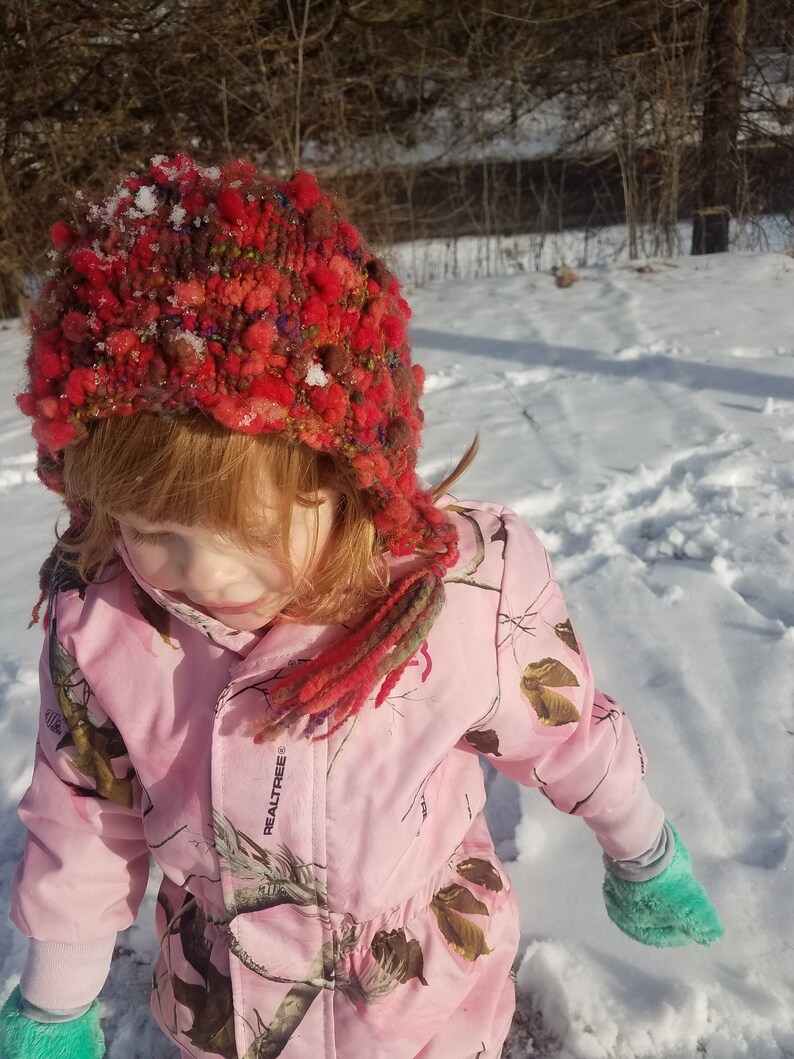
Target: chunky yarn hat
column 257, row 302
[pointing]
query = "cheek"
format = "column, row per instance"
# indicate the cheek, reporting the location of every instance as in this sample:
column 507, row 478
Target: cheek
column 154, row 563
column 309, row 534
column 273, row 576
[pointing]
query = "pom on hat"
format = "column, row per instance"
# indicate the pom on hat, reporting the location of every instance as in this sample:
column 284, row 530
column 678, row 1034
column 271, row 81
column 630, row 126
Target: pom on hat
column 61, row 234
column 231, row 205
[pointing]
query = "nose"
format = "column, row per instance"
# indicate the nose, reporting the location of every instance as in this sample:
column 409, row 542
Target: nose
column 205, row 573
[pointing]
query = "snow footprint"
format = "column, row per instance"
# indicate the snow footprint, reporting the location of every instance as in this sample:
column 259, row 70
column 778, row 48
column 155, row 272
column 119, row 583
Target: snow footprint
column 767, row 839
column 443, row 379
column 767, row 849
column 769, row 598
column 682, row 508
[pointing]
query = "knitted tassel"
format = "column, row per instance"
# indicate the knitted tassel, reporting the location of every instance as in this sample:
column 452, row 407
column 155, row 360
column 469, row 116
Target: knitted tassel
column 35, row 613
column 334, row 686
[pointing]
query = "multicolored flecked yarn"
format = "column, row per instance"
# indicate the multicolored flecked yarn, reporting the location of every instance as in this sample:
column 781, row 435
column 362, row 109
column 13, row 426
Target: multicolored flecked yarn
column 257, row 302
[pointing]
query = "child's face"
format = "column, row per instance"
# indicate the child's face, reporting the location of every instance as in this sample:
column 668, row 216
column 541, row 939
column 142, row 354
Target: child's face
column 242, row 589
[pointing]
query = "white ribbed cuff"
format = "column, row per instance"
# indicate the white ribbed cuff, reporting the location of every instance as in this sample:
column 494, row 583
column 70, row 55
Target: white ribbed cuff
column 59, row 976
column 630, row 830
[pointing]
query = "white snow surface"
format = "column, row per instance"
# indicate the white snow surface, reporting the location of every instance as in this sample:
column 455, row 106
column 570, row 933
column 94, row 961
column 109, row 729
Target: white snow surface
column 644, row 424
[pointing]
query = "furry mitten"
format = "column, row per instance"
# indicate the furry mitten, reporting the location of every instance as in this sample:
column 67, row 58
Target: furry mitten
column 22, row 1038
column 670, row 909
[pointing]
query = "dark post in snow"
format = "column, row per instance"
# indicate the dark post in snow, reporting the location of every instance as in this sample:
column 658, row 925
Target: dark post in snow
column 724, row 73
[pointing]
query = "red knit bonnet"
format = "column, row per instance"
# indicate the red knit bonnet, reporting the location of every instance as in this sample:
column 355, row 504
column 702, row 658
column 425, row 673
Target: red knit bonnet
column 258, row 303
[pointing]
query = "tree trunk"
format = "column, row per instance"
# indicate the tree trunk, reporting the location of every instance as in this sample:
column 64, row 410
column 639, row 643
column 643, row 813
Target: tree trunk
column 12, row 302
column 725, row 66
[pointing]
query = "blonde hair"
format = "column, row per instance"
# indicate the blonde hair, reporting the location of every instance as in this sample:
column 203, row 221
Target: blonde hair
column 190, row 470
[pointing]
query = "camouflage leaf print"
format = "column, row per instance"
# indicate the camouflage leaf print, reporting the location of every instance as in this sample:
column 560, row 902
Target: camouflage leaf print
column 400, row 958
column 480, row 872
column 390, row 961
column 157, row 616
column 211, row 1007
column 564, row 631
column 209, row 1002
column 460, row 899
column 484, row 742
column 465, row 937
column 277, row 877
column 539, row 678
column 96, row 745
column 196, row 946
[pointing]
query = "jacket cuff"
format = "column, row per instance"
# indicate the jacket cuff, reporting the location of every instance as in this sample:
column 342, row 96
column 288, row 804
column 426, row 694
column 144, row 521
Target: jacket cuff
column 649, row 865
column 47, row 1017
column 630, row 830
column 59, row 976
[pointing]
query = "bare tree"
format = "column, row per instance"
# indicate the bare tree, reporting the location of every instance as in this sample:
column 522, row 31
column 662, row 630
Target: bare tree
column 415, row 110
column 722, row 107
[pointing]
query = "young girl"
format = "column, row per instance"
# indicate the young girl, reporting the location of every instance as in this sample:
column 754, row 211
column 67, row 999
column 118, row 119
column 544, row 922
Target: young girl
column 273, row 656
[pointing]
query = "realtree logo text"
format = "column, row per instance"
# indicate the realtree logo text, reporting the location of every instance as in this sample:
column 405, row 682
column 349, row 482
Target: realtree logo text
column 275, row 790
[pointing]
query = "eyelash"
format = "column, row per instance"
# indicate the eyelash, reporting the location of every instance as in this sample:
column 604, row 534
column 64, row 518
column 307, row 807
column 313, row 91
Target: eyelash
column 266, row 543
column 146, row 538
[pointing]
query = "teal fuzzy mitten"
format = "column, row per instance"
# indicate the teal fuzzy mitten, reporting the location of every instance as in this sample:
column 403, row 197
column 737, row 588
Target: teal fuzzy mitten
column 22, row 1038
column 671, row 909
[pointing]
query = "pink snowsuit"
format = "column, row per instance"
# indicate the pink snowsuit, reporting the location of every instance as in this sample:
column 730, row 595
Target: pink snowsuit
column 331, row 898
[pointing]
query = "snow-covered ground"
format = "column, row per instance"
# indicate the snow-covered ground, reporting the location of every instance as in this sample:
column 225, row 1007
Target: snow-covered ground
column 644, row 424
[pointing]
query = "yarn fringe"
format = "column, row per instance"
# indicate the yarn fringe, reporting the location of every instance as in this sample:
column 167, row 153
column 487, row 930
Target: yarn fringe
column 335, row 686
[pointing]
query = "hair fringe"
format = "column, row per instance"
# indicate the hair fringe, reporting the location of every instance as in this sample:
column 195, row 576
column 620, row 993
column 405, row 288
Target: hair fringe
column 189, row 470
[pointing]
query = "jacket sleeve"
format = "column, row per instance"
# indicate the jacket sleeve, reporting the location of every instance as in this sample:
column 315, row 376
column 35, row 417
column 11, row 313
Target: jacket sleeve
column 549, row 726
column 85, row 864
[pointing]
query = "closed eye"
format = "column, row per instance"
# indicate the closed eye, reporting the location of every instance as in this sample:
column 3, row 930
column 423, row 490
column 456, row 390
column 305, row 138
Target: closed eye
column 146, row 538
